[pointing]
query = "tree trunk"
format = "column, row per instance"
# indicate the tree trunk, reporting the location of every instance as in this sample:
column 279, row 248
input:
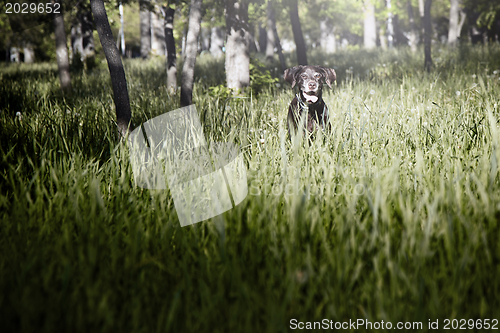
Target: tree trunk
column 370, row 26
column 427, row 35
column 382, row 38
column 157, row 33
column 122, row 30
column 421, row 12
column 191, row 52
column 145, row 18
column 328, row 41
column 252, row 42
column 262, row 39
column 297, row 33
column 453, row 29
column 390, row 26
column 217, row 41
column 82, row 38
column 118, row 81
column 273, row 39
column 271, row 25
column 399, row 36
column 413, row 28
column 237, row 45
column 29, row 53
column 168, row 14
column 76, row 40
column 62, row 51
column 279, row 49
column 15, row 54
column 183, row 41
column 87, row 35
column 461, row 23
column 204, row 39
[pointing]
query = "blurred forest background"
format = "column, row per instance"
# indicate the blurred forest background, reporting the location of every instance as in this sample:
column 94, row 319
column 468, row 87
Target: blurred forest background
column 272, row 27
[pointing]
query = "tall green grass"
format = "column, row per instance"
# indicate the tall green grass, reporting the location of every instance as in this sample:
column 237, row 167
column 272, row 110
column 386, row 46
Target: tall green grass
column 393, row 216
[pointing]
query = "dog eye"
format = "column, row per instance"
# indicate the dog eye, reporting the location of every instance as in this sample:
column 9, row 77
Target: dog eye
column 303, row 76
column 317, row 75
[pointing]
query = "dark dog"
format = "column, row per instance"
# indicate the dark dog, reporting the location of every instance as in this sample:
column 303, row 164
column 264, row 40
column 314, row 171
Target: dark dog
column 308, row 105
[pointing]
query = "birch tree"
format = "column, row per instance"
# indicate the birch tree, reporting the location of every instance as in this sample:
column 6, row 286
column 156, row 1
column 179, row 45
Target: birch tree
column 145, row 25
column 370, row 26
column 168, row 15
column 62, row 50
column 237, row 45
column 455, row 23
column 187, row 80
column 413, row 28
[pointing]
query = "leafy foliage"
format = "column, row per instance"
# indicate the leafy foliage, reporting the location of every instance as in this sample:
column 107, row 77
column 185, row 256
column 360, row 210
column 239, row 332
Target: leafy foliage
column 260, row 77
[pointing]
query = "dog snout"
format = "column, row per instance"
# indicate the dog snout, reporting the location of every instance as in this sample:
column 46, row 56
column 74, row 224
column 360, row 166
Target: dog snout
column 312, row 85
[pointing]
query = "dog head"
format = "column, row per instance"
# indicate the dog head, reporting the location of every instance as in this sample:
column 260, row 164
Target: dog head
column 310, row 79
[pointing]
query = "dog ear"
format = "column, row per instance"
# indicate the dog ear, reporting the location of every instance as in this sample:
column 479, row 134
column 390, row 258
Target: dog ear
column 330, row 75
column 290, row 73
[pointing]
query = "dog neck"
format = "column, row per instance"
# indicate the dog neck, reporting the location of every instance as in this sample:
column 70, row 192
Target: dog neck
column 306, row 106
column 302, row 105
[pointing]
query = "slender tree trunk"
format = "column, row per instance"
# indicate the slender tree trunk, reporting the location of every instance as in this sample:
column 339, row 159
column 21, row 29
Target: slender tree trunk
column 62, row 51
column 427, row 35
column 279, row 49
column 297, row 33
column 413, row 28
column 462, row 21
column 29, row 53
column 118, row 81
column 76, row 39
column 262, row 39
column 15, row 54
column 457, row 20
column 122, row 30
column 168, row 13
column 145, row 18
column 252, row 43
column 204, row 39
column 382, row 37
column 421, row 12
column 370, row 26
column 88, row 45
column 399, row 36
column 82, row 38
column 453, row 29
column 237, row 45
column 390, row 26
column 191, row 52
column 157, row 33
column 328, row 41
column 271, row 24
column 217, row 41
column 273, row 39
column 183, row 41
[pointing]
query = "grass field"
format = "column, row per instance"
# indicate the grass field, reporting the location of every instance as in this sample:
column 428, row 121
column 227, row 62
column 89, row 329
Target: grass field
column 392, row 217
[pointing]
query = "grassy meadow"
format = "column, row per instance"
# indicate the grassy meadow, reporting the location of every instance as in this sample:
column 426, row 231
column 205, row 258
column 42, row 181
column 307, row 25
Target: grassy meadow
column 393, row 216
